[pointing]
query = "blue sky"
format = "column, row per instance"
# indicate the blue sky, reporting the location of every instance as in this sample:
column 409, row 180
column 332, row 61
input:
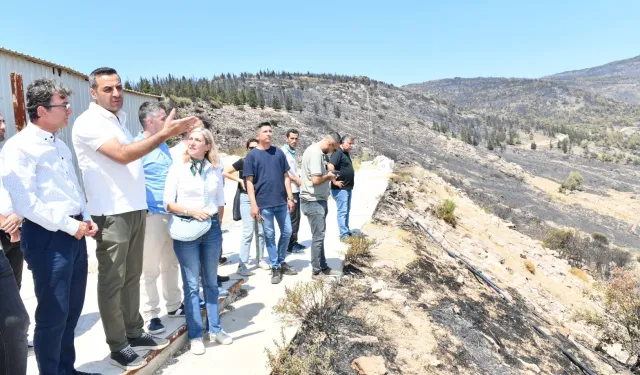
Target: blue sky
column 399, row 42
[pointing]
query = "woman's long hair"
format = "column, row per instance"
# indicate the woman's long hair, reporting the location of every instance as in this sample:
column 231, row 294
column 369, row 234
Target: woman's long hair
column 211, row 155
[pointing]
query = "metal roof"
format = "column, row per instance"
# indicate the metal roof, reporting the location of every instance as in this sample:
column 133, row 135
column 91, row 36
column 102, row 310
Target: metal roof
column 61, row 67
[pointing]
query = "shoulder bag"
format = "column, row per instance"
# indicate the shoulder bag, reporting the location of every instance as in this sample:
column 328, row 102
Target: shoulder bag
column 183, row 228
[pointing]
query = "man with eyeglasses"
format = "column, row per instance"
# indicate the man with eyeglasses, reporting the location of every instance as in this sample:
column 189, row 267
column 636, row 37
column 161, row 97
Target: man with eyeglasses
column 113, row 176
column 39, row 175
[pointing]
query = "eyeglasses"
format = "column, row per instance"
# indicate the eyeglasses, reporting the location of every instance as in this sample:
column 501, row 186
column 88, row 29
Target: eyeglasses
column 66, row 106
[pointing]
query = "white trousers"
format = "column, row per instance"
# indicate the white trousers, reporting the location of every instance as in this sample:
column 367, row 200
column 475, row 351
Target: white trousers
column 159, row 260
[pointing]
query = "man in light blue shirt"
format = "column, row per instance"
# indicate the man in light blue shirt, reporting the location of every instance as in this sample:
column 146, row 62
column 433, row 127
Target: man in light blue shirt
column 159, row 259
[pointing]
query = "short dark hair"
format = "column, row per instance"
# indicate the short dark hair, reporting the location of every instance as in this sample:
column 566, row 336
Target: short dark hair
column 336, row 137
column 292, row 131
column 148, row 109
column 264, row 123
column 251, row 141
column 40, row 92
column 104, row 71
column 347, row 137
column 206, row 122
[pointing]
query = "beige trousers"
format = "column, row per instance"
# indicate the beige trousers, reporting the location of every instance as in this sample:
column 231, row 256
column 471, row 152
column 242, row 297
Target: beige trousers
column 159, row 260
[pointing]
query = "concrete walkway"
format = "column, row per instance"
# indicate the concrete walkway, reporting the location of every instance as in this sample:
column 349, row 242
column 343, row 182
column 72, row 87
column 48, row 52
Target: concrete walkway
column 249, row 320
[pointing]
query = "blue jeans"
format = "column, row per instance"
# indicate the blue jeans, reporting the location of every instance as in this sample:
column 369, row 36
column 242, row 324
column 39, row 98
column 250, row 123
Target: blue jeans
column 270, row 216
column 203, row 252
column 58, row 263
column 343, row 202
column 14, row 323
column 248, row 225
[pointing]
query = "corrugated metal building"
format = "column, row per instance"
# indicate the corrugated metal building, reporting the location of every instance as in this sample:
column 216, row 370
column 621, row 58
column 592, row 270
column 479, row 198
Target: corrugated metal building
column 18, row 70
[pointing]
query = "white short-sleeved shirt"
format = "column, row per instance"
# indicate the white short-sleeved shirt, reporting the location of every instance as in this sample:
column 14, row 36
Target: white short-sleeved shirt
column 111, row 188
column 187, row 190
column 293, row 168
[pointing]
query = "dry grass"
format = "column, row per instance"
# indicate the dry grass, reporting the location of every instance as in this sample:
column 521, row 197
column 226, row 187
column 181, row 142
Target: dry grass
column 284, row 360
column 357, row 164
column 529, row 266
column 359, row 249
column 302, row 300
column 577, row 272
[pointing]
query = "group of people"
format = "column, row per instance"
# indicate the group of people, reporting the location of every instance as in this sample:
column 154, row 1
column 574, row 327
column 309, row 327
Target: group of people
column 154, row 212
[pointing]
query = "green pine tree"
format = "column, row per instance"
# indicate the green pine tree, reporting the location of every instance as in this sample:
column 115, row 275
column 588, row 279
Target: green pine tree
column 275, row 103
column 288, row 102
column 252, row 98
column 261, row 102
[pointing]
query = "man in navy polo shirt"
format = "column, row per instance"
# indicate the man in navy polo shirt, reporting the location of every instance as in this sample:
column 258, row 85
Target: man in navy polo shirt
column 269, row 187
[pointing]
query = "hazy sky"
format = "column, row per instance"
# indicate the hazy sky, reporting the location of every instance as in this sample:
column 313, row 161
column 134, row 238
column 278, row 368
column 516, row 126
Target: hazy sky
column 394, row 41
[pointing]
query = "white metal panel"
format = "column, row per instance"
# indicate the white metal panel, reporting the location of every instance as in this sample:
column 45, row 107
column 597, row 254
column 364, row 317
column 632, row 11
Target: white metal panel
column 31, row 70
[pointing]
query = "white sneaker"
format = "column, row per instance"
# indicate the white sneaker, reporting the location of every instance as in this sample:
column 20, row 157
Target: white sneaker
column 197, row 346
column 222, row 338
column 264, row 265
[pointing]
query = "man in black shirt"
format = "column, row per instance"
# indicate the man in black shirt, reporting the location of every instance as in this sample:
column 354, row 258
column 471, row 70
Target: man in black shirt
column 342, row 188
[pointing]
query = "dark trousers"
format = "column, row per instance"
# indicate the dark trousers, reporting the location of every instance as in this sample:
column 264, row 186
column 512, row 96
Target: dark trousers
column 119, row 250
column 13, row 252
column 14, row 323
column 316, row 213
column 295, row 222
column 58, row 263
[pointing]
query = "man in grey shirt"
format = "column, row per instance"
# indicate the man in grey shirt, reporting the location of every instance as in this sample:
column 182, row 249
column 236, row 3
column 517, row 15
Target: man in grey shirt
column 314, row 192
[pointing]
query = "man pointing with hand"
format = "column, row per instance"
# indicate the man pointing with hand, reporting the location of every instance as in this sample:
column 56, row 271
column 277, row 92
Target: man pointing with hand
column 116, row 199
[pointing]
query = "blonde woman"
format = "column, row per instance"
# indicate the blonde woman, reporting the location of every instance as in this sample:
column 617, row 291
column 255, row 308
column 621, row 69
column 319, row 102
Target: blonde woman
column 184, row 196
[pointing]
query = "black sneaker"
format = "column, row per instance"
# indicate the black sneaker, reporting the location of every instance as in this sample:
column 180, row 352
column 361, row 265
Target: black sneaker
column 177, row 313
column 298, row 247
column 223, row 279
column 76, row 372
column 148, row 342
column 287, row 269
column 127, row 359
column 222, row 261
column 276, row 276
column 155, row 326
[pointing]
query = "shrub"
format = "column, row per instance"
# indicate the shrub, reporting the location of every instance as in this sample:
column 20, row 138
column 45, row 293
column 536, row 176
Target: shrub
column 233, row 132
column 445, row 211
column 581, row 250
column 601, row 238
column 620, row 321
column 533, row 146
column 285, row 360
column 573, row 182
column 558, row 238
column 304, row 300
column 577, row 272
column 605, row 157
column 359, row 249
column 529, row 266
column 180, row 102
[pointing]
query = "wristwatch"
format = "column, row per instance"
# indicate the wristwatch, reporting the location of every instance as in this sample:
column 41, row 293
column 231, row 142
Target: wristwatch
column 290, row 199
